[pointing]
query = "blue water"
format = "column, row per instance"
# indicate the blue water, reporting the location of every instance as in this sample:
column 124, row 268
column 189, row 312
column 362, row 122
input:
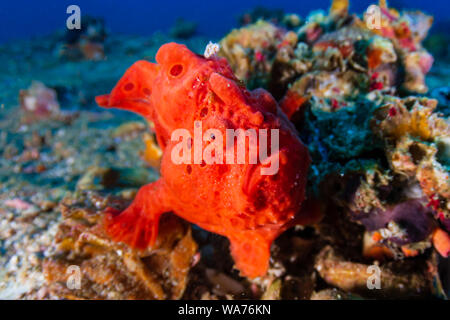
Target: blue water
column 27, row 18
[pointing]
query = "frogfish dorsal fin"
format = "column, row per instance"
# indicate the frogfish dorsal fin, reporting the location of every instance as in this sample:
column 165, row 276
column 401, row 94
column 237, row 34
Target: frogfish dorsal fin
column 134, row 89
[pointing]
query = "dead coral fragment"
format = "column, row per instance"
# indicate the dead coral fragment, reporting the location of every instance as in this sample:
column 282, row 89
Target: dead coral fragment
column 353, row 277
column 100, row 178
column 38, row 103
column 413, row 116
column 251, row 50
column 111, row 270
column 152, row 153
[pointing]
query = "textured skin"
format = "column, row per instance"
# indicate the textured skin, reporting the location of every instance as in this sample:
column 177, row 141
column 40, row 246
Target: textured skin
column 233, row 200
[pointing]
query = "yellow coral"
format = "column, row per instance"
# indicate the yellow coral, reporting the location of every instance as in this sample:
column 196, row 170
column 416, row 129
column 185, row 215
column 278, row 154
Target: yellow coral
column 418, row 122
column 152, row 153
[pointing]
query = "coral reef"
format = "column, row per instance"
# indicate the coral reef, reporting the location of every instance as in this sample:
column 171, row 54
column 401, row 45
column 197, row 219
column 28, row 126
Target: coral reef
column 380, row 161
column 336, row 55
column 352, row 277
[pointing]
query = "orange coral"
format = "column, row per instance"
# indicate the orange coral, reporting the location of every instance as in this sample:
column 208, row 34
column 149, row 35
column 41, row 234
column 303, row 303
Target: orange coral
column 441, row 241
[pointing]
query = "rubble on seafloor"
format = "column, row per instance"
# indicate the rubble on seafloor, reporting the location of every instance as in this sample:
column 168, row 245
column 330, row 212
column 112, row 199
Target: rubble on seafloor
column 111, row 270
column 379, row 143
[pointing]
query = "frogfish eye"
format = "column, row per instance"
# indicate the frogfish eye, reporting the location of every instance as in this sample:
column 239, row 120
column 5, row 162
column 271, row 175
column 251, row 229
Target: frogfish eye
column 176, row 70
column 129, row 86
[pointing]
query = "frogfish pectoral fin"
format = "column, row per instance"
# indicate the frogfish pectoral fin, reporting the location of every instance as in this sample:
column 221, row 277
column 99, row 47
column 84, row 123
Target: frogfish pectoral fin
column 251, row 252
column 138, row 224
column 134, row 89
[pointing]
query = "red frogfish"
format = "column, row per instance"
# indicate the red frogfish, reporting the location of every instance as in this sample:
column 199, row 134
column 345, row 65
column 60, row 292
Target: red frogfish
column 250, row 201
